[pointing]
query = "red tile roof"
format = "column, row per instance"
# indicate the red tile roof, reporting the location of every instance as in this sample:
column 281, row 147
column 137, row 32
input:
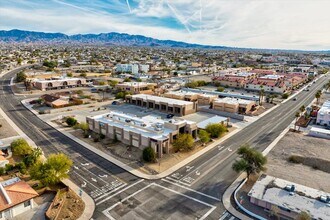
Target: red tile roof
column 18, row 192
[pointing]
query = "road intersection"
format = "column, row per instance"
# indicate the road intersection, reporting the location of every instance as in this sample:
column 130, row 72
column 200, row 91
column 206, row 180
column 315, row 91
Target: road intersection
column 193, row 191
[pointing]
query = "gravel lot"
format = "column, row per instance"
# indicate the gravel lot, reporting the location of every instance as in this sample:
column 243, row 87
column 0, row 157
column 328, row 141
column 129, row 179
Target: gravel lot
column 299, row 144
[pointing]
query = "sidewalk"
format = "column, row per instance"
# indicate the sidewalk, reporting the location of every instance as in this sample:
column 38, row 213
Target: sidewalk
column 121, row 164
column 89, row 202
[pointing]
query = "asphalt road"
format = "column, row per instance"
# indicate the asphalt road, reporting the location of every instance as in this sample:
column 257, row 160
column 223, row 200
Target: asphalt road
column 200, row 184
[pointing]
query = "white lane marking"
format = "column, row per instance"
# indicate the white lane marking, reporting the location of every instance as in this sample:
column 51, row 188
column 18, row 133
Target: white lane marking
column 178, row 181
column 229, row 149
column 98, row 203
column 198, row 173
column 84, row 184
column 85, row 180
column 95, row 175
column 77, row 168
column 84, row 164
column 220, row 147
column 106, row 211
column 94, row 180
column 118, row 188
column 224, row 215
column 200, row 193
column 103, row 176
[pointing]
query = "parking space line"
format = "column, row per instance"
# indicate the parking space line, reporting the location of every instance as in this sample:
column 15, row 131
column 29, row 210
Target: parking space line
column 200, row 193
column 98, row 203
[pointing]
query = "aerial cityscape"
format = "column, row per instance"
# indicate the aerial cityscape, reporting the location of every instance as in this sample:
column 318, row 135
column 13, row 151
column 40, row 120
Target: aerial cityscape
column 163, row 109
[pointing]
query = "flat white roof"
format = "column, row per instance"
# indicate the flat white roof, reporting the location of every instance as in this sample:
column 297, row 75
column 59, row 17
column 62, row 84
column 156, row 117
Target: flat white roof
column 320, row 130
column 148, row 126
column 325, row 109
column 212, row 120
column 162, row 99
column 234, row 101
column 181, row 92
column 271, row 190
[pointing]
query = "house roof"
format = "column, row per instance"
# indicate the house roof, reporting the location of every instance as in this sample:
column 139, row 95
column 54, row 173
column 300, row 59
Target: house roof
column 14, row 192
column 49, row 98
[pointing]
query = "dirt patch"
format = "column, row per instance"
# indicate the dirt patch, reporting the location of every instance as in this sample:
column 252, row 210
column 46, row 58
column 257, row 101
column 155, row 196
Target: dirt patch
column 66, row 205
column 304, row 146
column 132, row 156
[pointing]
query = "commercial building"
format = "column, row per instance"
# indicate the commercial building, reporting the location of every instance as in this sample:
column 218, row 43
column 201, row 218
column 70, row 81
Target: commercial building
column 168, row 105
column 59, row 83
column 323, row 115
column 127, row 68
column 233, row 105
column 237, row 80
column 289, row 199
column 136, row 87
column 202, row 99
column 269, row 83
column 16, row 197
column 141, row 132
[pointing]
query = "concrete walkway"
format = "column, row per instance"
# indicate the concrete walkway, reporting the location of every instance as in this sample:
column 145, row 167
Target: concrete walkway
column 89, row 202
column 123, row 165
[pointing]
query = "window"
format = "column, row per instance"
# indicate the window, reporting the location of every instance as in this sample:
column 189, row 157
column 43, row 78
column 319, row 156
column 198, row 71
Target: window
column 27, row 203
column 0, row 214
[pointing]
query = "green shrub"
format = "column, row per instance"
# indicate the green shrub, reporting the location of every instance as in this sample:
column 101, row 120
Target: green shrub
column 183, row 142
column 71, row 121
column 220, row 89
column 149, row 154
column 215, row 130
column 285, row 95
column 2, row 171
column 20, row 147
column 9, row 167
column 21, row 76
column 21, row 167
column 204, row 136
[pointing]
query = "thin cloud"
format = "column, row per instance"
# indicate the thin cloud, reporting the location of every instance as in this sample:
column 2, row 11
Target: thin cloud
column 238, row 23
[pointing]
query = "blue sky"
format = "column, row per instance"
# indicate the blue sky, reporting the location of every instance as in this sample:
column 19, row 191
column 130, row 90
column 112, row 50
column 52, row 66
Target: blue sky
column 286, row 24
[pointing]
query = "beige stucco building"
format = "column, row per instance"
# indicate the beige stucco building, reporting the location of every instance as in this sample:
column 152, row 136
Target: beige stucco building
column 233, row 105
column 59, row 83
column 136, row 87
column 172, row 106
column 141, row 132
column 201, row 99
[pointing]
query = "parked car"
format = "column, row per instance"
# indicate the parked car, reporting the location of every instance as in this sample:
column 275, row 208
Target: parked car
column 169, row 116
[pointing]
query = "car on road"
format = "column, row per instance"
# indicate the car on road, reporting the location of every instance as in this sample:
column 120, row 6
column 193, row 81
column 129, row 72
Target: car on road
column 294, row 99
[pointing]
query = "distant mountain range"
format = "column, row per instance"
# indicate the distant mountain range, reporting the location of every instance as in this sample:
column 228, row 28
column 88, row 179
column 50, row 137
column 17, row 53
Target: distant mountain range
column 111, row 38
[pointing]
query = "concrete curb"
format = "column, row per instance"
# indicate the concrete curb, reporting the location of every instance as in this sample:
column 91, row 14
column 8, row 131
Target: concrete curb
column 121, row 164
column 238, row 182
column 89, row 202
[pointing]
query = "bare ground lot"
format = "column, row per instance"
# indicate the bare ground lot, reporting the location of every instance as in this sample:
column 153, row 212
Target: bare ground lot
column 299, row 144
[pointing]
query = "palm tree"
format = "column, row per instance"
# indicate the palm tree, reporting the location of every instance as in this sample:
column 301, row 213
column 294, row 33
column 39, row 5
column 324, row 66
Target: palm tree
column 261, row 95
column 297, row 115
column 251, row 162
column 302, row 109
column 327, row 85
column 318, row 96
